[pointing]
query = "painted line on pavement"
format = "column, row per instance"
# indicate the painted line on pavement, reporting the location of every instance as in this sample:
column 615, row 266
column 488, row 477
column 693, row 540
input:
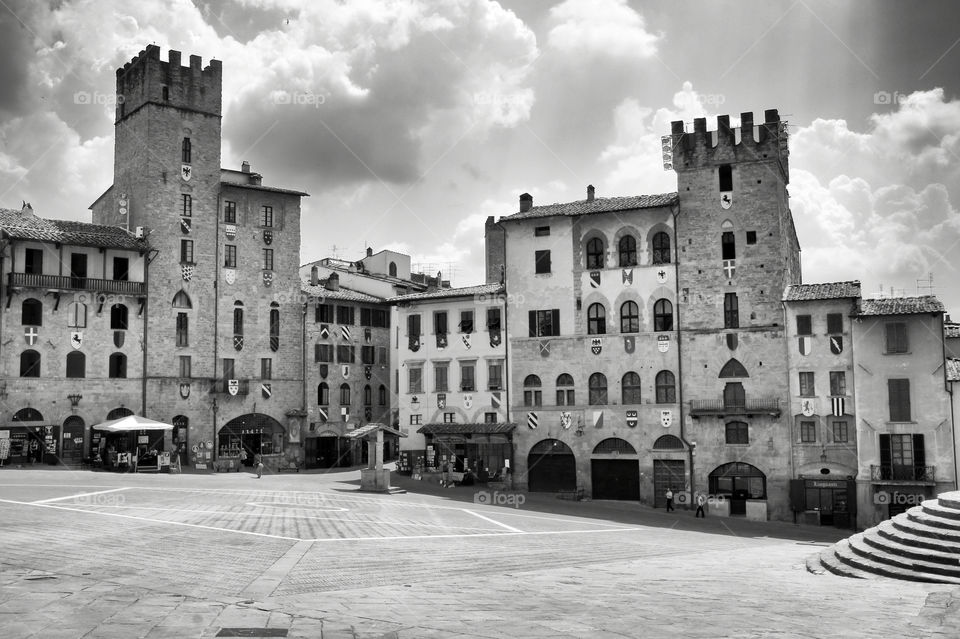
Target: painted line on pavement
column 492, row 521
column 79, row 496
column 488, row 534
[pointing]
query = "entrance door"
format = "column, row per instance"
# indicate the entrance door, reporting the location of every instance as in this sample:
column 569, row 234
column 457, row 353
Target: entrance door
column 72, row 438
column 551, row 467
column 616, row 479
column 667, row 473
column 78, row 270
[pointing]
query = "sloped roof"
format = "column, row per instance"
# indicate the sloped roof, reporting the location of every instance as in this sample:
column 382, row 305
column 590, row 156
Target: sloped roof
column 344, row 294
column 597, row 205
column 902, row 305
column 953, row 369
column 261, row 187
column 441, row 293
column 822, row 291
column 17, row 225
column 458, row 429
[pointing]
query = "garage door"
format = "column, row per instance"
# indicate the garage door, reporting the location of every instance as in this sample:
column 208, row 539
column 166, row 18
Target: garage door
column 616, row 479
column 551, row 467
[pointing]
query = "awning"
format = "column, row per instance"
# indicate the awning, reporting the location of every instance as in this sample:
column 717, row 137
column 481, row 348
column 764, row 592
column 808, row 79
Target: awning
column 463, row 429
column 132, row 422
column 370, row 430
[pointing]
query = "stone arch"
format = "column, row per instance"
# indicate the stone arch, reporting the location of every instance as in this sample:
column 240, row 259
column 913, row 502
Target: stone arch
column 589, row 235
column 614, row 445
column 733, row 368
column 668, row 442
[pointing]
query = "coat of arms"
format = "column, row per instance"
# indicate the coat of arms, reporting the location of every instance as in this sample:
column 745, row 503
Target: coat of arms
column 76, row 339
column 266, row 390
column 596, row 345
column 807, row 407
column 663, row 343
column 185, row 225
column 324, row 370
column 267, row 278
column 594, row 279
column 666, row 418
column 566, row 419
column 186, row 272
column 185, row 390
column 805, row 345
column 233, row 386
column 836, row 344
column 726, row 199
column 367, row 372
column 629, row 344
column 230, row 275
column 632, row 418
column 118, row 337
column 441, row 401
column 345, row 370
column 468, row 401
column 268, row 237
column 230, row 230
column 186, row 172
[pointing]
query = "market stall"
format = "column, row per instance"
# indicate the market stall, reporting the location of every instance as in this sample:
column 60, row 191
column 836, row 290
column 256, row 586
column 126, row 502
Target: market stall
column 133, row 443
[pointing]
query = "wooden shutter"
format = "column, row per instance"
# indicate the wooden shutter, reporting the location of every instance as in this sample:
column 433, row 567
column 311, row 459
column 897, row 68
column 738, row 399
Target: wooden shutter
column 919, row 454
column 885, row 457
column 555, row 321
column 532, row 319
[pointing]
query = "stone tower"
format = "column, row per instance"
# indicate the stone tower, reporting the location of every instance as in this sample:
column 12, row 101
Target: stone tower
column 737, row 250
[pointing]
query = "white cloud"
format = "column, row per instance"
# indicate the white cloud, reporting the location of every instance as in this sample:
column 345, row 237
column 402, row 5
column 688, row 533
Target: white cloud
column 600, row 27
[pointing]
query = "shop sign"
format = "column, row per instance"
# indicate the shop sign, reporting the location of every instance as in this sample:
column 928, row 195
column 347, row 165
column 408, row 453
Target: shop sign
column 821, row 483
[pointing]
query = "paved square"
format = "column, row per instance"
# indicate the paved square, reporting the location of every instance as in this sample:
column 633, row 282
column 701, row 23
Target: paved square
column 101, row 555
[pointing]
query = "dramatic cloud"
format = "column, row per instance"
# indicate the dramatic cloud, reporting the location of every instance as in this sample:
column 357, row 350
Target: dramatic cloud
column 608, row 28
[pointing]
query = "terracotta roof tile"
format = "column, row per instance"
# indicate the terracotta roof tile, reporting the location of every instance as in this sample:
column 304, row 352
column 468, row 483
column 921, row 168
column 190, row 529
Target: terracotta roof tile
column 320, row 292
column 441, row 293
column 597, row 205
column 455, row 429
column 823, row 291
column 901, row 305
column 31, row 227
column 953, row 369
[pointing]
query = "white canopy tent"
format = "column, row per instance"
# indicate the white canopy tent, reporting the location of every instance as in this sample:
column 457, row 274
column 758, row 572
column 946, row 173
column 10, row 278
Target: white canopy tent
column 132, row 422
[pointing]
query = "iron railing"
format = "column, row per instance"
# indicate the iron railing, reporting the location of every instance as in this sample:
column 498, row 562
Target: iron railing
column 900, row 472
column 726, row 407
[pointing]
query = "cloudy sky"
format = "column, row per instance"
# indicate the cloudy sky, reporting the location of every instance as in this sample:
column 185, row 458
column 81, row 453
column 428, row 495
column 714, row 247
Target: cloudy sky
column 410, row 122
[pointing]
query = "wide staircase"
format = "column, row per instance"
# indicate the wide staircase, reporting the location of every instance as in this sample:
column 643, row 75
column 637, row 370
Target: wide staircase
column 922, row 544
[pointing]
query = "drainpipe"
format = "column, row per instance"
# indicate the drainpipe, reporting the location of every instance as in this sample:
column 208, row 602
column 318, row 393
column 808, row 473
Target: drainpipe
column 216, row 318
column 948, row 386
column 676, row 286
column 506, row 341
column 146, row 314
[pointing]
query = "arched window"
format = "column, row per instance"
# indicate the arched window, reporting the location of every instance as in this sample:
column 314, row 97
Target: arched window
column 630, row 388
column 393, row 269
column 118, row 413
column 274, row 327
column 598, row 389
column 344, row 394
column 614, row 446
column 666, row 388
column 118, row 317
column 382, row 395
column 565, row 390
column 182, row 300
column 367, row 395
column 30, row 364
column 629, row 318
column 532, row 395
column 668, row 442
column 733, row 368
column 28, row 415
column 186, row 151
column 661, row 248
column 31, row 312
column 76, row 364
column 738, row 480
column 77, row 315
column 323, row 394
column 628, row 251
column 596, row 319
column 663, row 315
column 595, row 253
column 118, row 366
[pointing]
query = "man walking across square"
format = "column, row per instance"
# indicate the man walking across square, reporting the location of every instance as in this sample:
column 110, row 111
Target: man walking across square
column 701, row 501
column 669, row 500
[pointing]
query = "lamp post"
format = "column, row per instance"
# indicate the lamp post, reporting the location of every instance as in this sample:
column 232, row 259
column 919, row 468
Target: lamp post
column 74, row 399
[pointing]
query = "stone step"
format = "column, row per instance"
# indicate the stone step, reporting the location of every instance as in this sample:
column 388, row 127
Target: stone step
column 950, row 501
column 883, row 539
column 920, row 524
column 932, row 507
column 827, row 561
column 913, row 534
column 920, row 515
column 922, row 570
column 847, row 556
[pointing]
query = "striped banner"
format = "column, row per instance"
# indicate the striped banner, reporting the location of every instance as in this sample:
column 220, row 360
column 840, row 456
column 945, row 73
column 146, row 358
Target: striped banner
column 324, row 415
column 598, row 418
column 839, row 406
column 345, row 332
column 495, row 399
column 533, row 420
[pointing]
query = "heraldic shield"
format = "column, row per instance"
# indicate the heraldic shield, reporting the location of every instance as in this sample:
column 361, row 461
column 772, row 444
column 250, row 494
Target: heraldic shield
column 632, row 418
column 666, row 418
column 468, row 401
column 118, row 338
column 566, row 419
column 629, row 344
column 233, row 386
column 185, row 390
column 441, row 401
column 596, row 345
column 324, row 370
column 76, row 339
column 367, row 372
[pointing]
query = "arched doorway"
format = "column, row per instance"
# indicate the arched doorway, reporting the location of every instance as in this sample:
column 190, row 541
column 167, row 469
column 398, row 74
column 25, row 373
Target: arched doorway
column 738, row 482
column 667, row 473
column 615, row 470
column 29, row 438
column 255, row 433
column 73, row 438
column 551, row 467
column 326, row 450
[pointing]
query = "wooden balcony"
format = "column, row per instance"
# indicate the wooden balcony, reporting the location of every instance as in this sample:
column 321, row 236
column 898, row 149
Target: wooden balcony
column 67, row 283
column 719, row 407
column 902, row 474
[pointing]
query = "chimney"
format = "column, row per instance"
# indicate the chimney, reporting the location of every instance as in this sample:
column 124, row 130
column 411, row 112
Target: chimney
column 369, row 251
column 590, row 192
column 26, row 209
column 526, row 202
column 245, row 166
column 314, row 276
column 333, row 282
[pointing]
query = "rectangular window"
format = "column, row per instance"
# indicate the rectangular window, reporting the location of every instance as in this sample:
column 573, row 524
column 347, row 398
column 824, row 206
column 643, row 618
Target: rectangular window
column 449, row 418
column 495, row 375
column 185, row 151
column 366, row 317
column 416, row 420
column 542, row 261
column 737, row 433
column 440, row 370
column 903, row 457
column 532, row 397
column 383, row 355
column 728, row 244
column 33, row 263
column 266, row 216
column 268, row 259
column 323, row 352
column 230, row 256
column 440, row 323
column 186, row 251
column 841, row 434
column 731, row 311
column 413, row 326
column 541, row 231
column 838, row 383
column 751, row 237
column 230, row 212
column 896, row 337
column 381, row 318
column 346, row 354
column 544, row 323
column 899, row 397
column 187, row 205
column 804, row 325
column 121, row 269
column 416, row 380
column 229, row 371
column 808, row 432
column 806, row 384
column 345, row 315
column 324, row 313
column 467, row 379
column 77, row 315
column 834, row 323
column 466, row 321
column 493, row 319
column 367, row 355
column 725, row 177
column 185, row 367
column 266, row 368
column 183, row 336
column 489, row 418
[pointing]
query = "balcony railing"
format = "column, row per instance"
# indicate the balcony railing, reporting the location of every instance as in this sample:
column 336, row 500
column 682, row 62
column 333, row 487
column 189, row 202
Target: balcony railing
column 68, row 283
column 222, row 387
column 745, row 407
column 898, row 472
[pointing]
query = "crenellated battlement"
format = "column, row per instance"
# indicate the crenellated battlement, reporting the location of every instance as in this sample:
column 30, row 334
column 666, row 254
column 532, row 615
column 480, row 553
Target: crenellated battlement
column 728, row 145
column 148, row 79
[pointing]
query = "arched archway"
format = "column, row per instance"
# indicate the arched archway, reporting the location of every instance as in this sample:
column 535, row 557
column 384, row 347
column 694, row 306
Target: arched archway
column 551, row 467
column 738, row 482
column 256, row 433
column 668, row 442
column 615, row 470
column 73, row 438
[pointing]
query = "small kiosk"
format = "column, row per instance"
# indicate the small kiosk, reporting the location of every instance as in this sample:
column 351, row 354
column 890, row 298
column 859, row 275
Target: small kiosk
column 374, row 477
column 134, row 443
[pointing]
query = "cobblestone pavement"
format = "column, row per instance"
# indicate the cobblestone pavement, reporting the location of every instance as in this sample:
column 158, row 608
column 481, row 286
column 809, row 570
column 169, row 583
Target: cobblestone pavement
column 103, row 555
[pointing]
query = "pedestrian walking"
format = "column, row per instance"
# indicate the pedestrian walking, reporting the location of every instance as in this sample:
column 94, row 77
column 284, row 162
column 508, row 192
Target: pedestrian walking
column 242, row 458
column 669, row 500
column 701, row 502
column 258, row 462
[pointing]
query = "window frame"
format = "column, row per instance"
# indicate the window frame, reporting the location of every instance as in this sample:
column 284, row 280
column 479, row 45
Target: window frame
column 627, row 255
column 737, row 433
column 662, row 315
column 593, row 258
column 597, row 390
column 631, row 390
column 541, row 262
column 596, row 319
column 808, row 432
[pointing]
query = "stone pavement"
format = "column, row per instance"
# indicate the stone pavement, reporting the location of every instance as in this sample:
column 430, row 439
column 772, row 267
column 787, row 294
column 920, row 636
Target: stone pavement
column 635, row 573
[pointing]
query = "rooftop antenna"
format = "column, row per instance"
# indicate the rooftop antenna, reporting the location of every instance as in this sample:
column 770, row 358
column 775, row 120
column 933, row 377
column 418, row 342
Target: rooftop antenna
column 925, row 285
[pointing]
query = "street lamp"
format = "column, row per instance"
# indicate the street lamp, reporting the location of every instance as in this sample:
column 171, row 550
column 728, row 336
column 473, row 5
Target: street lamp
column 75, row 399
